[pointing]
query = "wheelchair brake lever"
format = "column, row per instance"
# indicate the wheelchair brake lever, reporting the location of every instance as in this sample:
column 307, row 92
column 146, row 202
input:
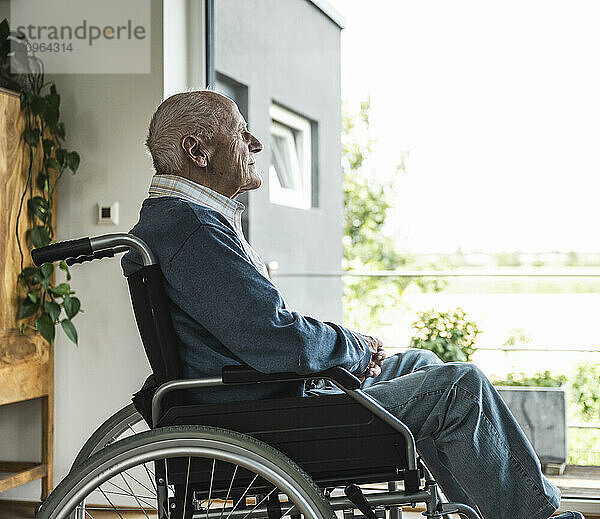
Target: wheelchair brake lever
column 355, row 494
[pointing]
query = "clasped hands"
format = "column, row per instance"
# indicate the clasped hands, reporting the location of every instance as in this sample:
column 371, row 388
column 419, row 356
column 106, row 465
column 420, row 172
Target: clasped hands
column 377, row 357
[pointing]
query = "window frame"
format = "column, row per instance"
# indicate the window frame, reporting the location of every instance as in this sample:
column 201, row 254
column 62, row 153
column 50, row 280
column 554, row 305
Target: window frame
column 283, row 124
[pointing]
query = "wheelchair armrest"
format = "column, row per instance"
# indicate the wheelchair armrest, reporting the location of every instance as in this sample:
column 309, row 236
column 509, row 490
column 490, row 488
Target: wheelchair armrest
column 245, row 375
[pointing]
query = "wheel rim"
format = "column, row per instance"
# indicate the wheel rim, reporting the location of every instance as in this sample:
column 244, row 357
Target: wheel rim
column 298, row 499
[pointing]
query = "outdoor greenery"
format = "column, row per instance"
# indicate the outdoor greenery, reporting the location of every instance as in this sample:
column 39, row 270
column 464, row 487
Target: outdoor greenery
column 584, row 388
column 43, row 301
column 585, row 392
column 545, row 379
column 583, row 447
column 367, row 247
column 584, row 407
column 450, row 335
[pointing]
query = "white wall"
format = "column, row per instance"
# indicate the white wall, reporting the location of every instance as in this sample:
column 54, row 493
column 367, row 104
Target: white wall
column 184, row 58
column 106, row 117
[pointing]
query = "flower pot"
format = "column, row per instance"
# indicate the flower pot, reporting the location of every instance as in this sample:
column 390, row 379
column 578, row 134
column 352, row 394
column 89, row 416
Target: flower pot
column 541, row 413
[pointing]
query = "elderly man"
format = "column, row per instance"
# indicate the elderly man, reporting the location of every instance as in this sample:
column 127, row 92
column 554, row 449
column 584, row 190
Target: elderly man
column 226, row 311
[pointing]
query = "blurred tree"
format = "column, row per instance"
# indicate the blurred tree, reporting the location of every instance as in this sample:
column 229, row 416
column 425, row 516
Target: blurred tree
column 572, row 259
column 508, row 259
column 367, row 247
column 585, row 391
column 517, row 337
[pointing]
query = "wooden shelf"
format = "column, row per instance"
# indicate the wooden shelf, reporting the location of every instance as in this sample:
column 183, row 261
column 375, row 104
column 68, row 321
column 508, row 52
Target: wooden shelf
column 16, row 473
column 26, row 360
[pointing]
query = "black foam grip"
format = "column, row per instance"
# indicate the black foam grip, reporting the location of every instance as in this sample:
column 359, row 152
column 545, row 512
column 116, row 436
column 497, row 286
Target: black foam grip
column 61, row 251
column 106, row 253
column 246, row 375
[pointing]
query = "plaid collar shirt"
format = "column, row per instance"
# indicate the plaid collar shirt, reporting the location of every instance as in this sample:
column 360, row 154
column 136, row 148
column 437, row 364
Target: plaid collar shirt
column 179, row 187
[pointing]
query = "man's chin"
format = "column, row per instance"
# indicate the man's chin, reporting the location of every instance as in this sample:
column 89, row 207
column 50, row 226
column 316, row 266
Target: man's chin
column 256, row 182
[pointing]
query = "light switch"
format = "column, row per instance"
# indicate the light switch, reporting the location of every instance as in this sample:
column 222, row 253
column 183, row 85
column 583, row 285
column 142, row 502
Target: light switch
column 108, row 213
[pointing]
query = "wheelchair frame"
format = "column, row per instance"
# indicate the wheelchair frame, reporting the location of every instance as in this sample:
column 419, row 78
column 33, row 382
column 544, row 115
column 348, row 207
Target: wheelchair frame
column 89, row 249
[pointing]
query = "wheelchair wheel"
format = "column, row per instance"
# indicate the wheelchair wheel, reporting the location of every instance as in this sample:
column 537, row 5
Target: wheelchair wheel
column 182, row 472
column 125, row 422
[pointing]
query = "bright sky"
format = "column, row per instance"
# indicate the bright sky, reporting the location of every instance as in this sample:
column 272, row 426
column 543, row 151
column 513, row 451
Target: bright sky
column 498, row 104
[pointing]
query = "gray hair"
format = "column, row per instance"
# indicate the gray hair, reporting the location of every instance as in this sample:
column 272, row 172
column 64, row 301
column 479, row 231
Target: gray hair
column 186, row 113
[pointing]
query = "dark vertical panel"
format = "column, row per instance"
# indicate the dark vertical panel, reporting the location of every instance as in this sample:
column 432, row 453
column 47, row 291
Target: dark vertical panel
column 239, row 93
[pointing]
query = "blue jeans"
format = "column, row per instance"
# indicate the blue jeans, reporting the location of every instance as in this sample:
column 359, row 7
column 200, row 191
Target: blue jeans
column 466, row 435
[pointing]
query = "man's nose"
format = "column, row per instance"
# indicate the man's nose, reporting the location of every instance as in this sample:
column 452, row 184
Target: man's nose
column 255, row 146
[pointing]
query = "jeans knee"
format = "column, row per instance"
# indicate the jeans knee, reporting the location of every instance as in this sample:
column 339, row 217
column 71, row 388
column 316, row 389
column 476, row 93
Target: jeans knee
column 467, row 375
column 423, row 357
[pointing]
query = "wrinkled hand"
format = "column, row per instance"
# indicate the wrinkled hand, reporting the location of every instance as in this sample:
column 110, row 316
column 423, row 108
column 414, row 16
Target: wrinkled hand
column 377, row 357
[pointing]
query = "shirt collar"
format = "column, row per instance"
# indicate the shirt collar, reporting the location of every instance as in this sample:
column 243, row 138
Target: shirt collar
column 179, row 187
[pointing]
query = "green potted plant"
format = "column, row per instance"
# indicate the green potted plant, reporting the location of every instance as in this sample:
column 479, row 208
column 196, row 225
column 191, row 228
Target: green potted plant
column 450, row 335
column 44, row 304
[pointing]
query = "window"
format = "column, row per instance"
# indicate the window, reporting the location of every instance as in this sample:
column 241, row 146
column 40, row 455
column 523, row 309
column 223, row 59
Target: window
column 290, row 172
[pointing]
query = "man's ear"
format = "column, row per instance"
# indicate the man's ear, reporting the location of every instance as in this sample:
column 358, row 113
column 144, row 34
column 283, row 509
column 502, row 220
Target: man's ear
column 194, row 150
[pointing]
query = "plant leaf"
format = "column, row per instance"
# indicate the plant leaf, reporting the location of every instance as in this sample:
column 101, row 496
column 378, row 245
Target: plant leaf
column 47, row 269
column 28, row 273
column 31, row 136
column 39, row 207
column 59, row 131
column 37, row 105
column 52, row 163
column 37, row 276
column 4, row 29
column 61, row 290
column 39, row 236
column 28, row 308
column 63, row 266
column 53, row 310
column 48, row 145
column 45, row 326
column 72, row 306
column 61, row 156
column 69, row 329
column 73, row 161
column 51, row 112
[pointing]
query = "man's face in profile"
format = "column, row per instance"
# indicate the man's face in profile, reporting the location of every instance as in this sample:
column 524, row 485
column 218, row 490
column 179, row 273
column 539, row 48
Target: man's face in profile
column 234, row 149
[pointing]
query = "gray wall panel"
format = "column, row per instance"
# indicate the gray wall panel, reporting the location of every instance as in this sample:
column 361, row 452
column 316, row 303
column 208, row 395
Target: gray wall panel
column 288, row 51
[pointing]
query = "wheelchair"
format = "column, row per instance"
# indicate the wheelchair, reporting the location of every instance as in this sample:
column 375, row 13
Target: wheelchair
column 162, row 457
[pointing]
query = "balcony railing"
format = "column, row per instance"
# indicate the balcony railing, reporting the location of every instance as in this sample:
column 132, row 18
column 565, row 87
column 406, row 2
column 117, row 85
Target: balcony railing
column 504, row 272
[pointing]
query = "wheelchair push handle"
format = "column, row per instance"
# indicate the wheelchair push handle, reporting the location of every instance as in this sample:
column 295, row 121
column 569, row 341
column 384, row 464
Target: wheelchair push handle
column 247, row 375
column 89, row 249
column 62, row 251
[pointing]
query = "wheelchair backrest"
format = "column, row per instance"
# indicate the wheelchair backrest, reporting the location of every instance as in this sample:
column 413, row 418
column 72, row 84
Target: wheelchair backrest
column 153, row 316
column 151, row 304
